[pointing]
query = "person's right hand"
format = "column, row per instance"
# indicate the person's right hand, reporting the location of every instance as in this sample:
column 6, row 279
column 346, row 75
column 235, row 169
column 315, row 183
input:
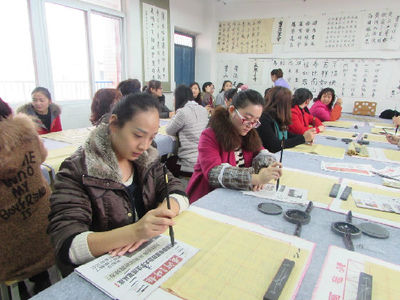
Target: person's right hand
column 274, row 171
column 339, row 101
column 321, row 128
column 309, row 135
column 393, row 139
column 153, row 223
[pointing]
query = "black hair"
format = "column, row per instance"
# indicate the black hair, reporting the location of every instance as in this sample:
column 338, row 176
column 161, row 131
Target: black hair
column 130, row 105
column 129, row 86
column 229, row 94
column 206, row 84
column 247, row 97
column 266, row 92
column 5, row 110
column 239, row 85
column 324, row 91
column 198, row 98
column 223, row 85
column 277, row 72
column 42, row 90
column 300, row 96
column 183, row 94
column 153, row 84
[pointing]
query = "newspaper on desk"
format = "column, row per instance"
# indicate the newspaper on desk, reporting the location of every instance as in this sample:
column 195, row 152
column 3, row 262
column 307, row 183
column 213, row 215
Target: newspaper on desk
column 136, row 275
column 359, row 169
column 283, row 194
column 377, row 202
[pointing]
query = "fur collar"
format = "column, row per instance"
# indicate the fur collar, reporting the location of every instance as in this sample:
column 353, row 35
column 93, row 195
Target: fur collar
column 28, row 109
column 101, row 161
column 14, row 133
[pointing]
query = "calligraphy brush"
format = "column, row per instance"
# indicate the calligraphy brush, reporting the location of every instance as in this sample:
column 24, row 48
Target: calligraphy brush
column 171, row 229
column 280, row 160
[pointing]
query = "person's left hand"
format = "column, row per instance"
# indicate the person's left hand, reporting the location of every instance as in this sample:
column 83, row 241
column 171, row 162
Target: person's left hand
column 258, row 187
column 128, row 248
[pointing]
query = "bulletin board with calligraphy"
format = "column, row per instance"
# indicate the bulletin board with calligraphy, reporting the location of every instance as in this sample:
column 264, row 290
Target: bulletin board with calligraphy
column 303, row 34
column 381, row 30
column 356, row 78
column 245, row 36
column 353, row 78
column 156, row 41
column 346, row 31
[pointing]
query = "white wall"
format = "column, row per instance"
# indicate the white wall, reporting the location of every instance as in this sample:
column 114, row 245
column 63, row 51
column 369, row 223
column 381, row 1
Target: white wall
column 237, row 10
column 185, row 16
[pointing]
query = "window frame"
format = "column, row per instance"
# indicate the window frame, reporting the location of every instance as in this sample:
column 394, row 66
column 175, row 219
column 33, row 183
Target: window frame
column 40, row 41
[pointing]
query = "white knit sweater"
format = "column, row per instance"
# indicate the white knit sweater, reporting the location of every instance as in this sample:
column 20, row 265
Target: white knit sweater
column 187, row 124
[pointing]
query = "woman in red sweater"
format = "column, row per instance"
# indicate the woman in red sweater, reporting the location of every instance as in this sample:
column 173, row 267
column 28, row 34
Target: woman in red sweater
column 302, row 120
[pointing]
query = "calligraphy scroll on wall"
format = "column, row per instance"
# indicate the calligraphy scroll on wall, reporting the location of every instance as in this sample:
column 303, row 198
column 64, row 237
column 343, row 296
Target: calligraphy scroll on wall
column 245, row 36
column 155, row 29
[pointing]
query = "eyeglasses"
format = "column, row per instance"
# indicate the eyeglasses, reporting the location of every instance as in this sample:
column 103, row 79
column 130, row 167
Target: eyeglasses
column 245, row 121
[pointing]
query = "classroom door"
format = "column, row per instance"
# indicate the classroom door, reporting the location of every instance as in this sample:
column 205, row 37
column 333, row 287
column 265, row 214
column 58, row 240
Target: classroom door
column 184, row 59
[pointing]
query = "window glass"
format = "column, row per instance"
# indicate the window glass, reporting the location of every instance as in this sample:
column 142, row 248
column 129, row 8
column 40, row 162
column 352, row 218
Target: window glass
column 68, row 52
column 17, row 75
column 106, row 44
column 183, row 40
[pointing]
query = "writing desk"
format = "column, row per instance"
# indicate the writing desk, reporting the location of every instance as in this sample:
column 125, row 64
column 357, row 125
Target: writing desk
column 238, row 205
column 60, row 146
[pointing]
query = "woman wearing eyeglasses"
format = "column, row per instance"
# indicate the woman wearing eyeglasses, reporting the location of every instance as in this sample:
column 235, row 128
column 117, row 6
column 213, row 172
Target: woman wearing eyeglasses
column 230, row 151
column 275, row 120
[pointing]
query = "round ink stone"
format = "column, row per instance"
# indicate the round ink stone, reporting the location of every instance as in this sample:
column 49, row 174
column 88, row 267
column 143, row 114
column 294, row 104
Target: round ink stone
column 374, row 230
column 344, row 227
column 270, row 208
column 297, row 216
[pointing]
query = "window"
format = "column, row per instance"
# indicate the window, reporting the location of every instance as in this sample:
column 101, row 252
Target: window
column 183, row 40
column 17, row 75
column 68, row 52
column 113, row 4
column 106, row 42
column 70, row 47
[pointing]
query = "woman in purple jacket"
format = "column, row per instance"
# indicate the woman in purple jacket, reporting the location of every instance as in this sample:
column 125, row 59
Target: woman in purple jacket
column 230, row 151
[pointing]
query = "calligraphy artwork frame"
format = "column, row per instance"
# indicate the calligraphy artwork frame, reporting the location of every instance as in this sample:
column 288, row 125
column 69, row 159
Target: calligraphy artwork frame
column 156, row 42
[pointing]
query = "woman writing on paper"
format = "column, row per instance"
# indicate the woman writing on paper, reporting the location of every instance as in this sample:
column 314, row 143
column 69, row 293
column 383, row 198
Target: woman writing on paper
column 276, row 119
column 230, row 150
column 302, row 120
column 325, row 108
column 109, row 196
